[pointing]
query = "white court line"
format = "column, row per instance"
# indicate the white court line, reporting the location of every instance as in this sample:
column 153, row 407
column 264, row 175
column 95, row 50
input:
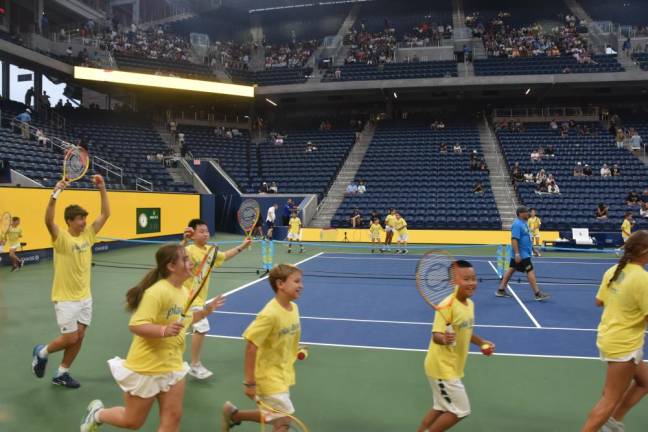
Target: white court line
column 472, row 258
column 595, row 284
column 528, row 312
column 242, row 287
column 382, row 348
column 416, row 323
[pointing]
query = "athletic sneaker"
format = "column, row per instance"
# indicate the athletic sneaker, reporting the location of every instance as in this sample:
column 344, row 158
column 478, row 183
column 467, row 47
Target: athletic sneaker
column 404, row 251
column 66, row 380
column 88, row 422
column 199, row 371
column 22, row 263
column 229, row 409
column 38, row 363
column 502, row 293
column 612, row 425
column 541, row 296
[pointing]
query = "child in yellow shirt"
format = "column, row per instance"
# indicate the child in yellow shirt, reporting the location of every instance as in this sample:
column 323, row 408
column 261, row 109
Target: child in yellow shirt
column 374, row 234
column 294, row 232
column 270, row 354
column 12, row 240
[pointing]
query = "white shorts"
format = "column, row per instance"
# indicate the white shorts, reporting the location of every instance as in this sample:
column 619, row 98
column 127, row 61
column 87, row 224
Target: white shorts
column 636, row 357
column 293, row 236
column 280, row 402
column 201, row 326
column 374, row 236
column 14, row 247
column 450, row 396
column 403, row 237
column 70, row 313
column 144, row 386
column 389, row 229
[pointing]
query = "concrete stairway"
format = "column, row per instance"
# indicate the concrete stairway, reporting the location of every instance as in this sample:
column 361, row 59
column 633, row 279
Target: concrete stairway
column 335, row 195
column 505, row 196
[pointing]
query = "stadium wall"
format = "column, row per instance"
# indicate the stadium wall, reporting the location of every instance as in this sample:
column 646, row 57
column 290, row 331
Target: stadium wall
column 29, row 204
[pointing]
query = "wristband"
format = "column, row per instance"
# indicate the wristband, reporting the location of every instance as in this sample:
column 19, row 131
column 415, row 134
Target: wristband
column 249, row 384
column 163, row 331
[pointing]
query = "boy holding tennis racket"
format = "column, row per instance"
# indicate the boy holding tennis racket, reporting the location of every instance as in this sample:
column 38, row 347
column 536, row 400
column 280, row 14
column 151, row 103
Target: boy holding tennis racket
column 153, row 369
column 294, row 232
column 448, row 351
column 270, row 354
column 198, row 232
column 71, row 286
column 12, row 239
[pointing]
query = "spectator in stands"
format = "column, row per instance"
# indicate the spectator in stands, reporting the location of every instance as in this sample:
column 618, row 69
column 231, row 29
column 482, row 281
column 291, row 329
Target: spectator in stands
column 41, row 138
column 609, row 50
column 29, row 94
column 644, row 210
column 528, row 177
column 352, row 188
column 24, row 119
column 615, row 170
column 478, row 188
column 263, row 188
column 549, row 151
column 456, row 149
column 355, row 218
column 273, row 188
column 578, row 170
column 552, row 186
column 474, row 162
column 605, row 171
column 635, row 141
column 541, row 176
column 443, row 148
column 310, row 147
column 619, row 137
column 553, row 125
column 535, row 155
column 362, row 188
column 482, row 166
column 338, row 74
column 633, row 198
column 602, row 211
column 288, row 209
column 587, row 170
column 627, row 47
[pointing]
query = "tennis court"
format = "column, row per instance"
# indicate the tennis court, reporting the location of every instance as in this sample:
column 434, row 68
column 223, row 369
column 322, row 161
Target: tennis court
column 367, row 329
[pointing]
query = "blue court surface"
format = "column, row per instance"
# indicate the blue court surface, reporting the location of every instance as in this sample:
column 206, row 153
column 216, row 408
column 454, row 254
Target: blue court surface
column 342, row 306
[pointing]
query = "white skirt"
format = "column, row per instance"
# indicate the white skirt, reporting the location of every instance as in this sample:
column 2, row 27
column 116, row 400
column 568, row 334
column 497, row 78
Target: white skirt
column 144, row 386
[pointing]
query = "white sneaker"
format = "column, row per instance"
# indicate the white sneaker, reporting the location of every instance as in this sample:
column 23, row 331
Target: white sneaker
column 229, row 409
column 612, row 425
column 88, row 423
column 199, row 371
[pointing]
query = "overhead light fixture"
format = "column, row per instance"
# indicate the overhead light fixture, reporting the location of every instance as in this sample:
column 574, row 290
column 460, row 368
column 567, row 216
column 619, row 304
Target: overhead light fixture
column 527, row 91
column 271, row 102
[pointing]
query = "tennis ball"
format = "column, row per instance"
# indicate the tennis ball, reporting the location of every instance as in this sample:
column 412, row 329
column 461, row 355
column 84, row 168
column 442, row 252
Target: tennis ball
column 487, row 349
column 302, row 353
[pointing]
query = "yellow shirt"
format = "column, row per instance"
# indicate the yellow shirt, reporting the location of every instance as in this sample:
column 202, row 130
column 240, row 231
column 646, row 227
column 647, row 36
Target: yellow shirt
column 72, row 264
column 13, row 235
column 275, row 332
column 444, row 361
column 390, row 220
column 534, row 225
column 196, row 255
column 625, row 307
column 401, row 226
column 626, row 229
column 295, row 225
column 162, row 304
column 374, row 230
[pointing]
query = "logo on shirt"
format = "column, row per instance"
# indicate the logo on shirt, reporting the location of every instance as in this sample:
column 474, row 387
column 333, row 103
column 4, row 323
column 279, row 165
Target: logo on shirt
column 290, row 330
column 81, row 247
column 173, row 310
column 466, row 324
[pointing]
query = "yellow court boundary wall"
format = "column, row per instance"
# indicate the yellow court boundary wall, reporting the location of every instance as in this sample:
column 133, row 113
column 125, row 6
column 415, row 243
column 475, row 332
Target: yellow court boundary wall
column 30, row 203
column 419, row 236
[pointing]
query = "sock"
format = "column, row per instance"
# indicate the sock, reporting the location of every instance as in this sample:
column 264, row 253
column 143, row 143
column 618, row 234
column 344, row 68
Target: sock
column 96, row 416
column 43, row 352
column 61, row 371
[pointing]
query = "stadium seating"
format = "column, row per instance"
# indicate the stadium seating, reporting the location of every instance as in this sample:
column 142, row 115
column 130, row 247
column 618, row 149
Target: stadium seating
column 294, row 170
column 544, row 65
column 226, row 23
column 627, row 12
column 576, row 204
column 140, row 64
column 364, row 72
column 403, row 168
column 273, row 76
column 302, row 23
column 402, row 16
column 642, row 59
column 521, row 13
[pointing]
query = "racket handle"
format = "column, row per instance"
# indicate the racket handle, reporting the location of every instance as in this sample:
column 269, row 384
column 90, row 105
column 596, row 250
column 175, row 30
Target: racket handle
column 56, row 193
column 450, row 330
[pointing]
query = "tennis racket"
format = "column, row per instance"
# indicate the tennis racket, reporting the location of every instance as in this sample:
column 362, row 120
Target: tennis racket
column 5, row 224
column 201, row 274
column 295, row 425
column 248, row 215
column 75, row 165
column 435, row 282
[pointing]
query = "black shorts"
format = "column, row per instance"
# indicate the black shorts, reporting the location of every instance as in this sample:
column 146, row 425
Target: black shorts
column 524, row 266
column 269, row 224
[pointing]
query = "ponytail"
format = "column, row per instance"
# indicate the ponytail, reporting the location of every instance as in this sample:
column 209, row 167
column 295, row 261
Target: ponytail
column 165, row 255
column 635, row 247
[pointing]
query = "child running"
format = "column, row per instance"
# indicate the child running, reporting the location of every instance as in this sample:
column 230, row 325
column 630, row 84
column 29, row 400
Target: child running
column 71, row 293
column 447, row 354
column 12, row 240
column 198, row 231
column 534, row 223
column 401, row 229
column 374, row 234
column 623, row 295
column 270, row 353
column 294, row 232
column 153, row 369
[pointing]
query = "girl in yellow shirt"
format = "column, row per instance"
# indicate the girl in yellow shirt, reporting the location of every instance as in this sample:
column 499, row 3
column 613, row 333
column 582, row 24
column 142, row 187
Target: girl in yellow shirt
column 623, row 295
column 270, row 354
column 374, row 234
column 154, row 369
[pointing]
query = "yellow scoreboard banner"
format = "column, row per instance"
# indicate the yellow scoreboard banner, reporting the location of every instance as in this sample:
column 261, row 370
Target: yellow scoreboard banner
column 151, row 214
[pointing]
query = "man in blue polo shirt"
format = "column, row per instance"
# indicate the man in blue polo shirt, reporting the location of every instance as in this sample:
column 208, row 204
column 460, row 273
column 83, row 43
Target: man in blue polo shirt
column 522, row 248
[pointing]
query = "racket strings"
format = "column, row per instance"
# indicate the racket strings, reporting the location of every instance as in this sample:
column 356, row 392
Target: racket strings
column 76, row 163
column 248, row 214
column 434, row 277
